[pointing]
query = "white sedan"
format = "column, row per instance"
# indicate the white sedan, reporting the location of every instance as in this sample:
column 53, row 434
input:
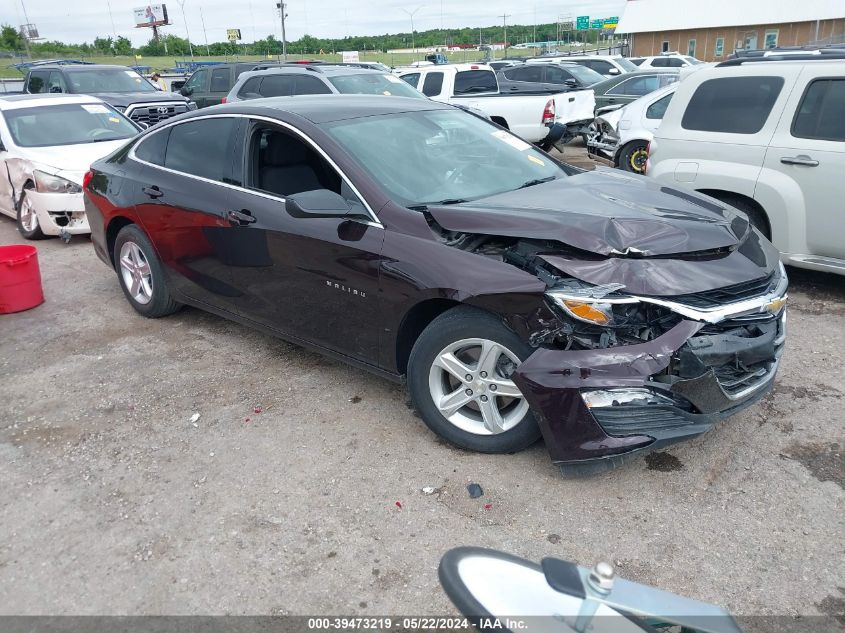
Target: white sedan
column 47, row 143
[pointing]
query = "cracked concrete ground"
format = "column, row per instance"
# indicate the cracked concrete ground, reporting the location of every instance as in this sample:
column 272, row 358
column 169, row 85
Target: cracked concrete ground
column 281, row 497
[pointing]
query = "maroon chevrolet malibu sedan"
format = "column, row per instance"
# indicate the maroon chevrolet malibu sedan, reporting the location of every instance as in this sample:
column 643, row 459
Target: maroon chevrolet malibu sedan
column 518, row 296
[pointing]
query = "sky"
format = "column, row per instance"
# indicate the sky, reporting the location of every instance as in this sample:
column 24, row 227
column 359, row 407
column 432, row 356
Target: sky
column 77, row 21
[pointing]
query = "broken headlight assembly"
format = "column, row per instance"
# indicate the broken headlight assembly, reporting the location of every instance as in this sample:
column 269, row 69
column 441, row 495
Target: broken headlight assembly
column 592, row 304
column 47, row 183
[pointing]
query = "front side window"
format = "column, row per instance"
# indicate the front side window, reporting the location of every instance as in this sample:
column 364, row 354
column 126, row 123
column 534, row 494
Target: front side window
column 220, row 80
column 67, row 124
column 599, row 66
column 374, row 84
column 202, row 148
column 820, row 115
column 55, row 83
column 433, row 84
column 529, row 72
column 637, row 86
column 412, row 79
column 657, row 110
column 37, row 82
column 304, row 85
column 197, row 80
column 107, row 80
column 556, row 75
column 733, row 105
column 441, row 155
column 475, row 81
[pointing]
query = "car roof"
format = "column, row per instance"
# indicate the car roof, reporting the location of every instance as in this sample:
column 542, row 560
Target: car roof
column 11, row 102
column 325, row 108
column 79, row 67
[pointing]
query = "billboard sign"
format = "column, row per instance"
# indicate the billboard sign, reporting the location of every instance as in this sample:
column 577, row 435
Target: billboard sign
column 350, row 57
column 151, row 15
column 597, row 24
column 582, row 22
column 611, row 23
column 233, row 35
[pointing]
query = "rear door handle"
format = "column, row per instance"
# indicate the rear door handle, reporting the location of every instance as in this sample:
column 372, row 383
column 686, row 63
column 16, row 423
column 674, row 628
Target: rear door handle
column 801, row 159
column 153, row 192
column 240, row 217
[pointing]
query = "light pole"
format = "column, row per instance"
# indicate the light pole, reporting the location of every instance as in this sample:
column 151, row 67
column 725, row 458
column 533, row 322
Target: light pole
column 185, row 20
column 413, row 37
column 281, row 6
column 204, row 34
column 505, row 22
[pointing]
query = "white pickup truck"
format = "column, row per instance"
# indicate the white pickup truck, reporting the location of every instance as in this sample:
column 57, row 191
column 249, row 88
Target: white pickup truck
column 545, row 119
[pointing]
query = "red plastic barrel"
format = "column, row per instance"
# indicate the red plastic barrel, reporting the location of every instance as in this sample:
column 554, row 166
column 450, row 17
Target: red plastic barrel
column 20, row 278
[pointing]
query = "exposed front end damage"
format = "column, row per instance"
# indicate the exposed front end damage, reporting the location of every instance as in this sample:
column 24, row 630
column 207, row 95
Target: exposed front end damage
column 60, row 214
column 636, row 349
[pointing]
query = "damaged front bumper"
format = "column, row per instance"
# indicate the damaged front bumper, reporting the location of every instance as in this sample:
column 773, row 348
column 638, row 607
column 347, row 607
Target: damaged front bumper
column 60, row 213
column 606, row 405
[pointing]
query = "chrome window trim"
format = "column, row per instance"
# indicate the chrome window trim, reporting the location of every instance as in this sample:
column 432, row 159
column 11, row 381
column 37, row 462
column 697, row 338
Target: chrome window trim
column 374, row 221
column 134, row 106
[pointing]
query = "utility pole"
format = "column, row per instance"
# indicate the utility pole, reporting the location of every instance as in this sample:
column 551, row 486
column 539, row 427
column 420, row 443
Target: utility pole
column 413, row 36
column 281, row 6
column 505, row 23
column 184, row 19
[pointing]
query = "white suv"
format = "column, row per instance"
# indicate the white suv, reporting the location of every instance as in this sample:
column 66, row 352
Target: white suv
column 666, row 60
column 607, row 65
column 768, row 137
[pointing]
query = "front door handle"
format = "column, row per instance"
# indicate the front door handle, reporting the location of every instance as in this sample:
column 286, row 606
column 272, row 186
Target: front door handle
column 153, row 192
column 240, row 217
column 801, row 159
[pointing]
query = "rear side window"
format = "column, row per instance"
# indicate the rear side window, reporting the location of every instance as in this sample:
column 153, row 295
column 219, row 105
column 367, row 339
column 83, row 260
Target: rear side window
column 304, row 85
column 733, row 105
column 37, row 82
column 220, row 80
column 658, row 109
column 472, row 81
column 201, row 148
column 433, row 84
column 277, row 86
column 250, row 88
column 821, row 114
column 153, row 147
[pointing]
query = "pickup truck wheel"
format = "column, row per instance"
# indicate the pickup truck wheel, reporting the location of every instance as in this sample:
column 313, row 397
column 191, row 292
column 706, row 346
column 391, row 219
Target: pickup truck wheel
column 633, row 157
column 459, row 376
column 27, row 218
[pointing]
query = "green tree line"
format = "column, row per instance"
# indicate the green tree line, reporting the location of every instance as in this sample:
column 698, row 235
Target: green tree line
column 12, row 42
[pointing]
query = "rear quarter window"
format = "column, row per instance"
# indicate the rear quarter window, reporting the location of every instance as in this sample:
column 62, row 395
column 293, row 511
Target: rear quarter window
column 250, row 88
column 732, row 105
column 152, row 147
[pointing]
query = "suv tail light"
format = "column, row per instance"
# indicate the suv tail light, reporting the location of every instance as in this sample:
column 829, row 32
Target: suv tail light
column 549, row 112
column 86, row 179
column 223, row 100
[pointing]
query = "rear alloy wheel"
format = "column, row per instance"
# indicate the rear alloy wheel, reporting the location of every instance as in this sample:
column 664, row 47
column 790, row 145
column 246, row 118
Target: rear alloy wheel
column 460, row 378
column 27, row 218
column 141, row 275
column 634, row 157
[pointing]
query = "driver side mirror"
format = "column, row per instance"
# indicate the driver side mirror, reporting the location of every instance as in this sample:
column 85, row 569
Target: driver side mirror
column 319, row 203
column 613, row 71
column 55, row 89
column 186, row 91
column 570, row 83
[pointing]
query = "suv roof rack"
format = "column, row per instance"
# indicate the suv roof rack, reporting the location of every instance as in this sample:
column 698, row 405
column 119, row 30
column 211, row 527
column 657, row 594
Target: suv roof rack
column 51, row 62
column 784, row 57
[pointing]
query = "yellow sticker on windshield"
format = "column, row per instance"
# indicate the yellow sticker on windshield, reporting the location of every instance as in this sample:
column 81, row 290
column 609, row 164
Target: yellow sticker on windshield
column 534, row 159
column 114, row 119
column 386, row 93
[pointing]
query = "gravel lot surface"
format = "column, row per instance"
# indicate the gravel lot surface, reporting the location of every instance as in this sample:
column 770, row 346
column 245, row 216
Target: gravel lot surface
column 282, row 496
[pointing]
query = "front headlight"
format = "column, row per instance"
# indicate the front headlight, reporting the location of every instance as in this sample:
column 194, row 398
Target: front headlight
column 47, row 183
column 590, row 305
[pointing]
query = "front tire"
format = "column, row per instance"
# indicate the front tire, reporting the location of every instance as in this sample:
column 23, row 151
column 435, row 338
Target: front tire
column 634, row 157
column 141, row 275
column 27, row 218
column 459, row 376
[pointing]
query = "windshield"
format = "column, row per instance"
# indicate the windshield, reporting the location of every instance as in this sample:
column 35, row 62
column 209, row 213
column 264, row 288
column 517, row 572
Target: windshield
column 441, row 156
column 67, row 124
column 586, row 76
column 374, row 84
column 626, row 64
column 107, row 80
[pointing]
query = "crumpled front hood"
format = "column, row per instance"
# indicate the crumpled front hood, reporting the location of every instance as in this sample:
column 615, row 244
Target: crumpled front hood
column 69, row 161
column 603, row 212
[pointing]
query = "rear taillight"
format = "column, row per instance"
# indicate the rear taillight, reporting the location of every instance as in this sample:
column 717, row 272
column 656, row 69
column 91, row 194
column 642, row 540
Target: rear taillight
column 549, row 112
column 223, row 100
column 86, row 179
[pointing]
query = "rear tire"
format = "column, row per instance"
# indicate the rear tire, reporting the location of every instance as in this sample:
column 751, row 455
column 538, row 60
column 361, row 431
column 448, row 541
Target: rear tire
column 27, row 219
column 633, row 157
column 460, row 367
column 141, row 275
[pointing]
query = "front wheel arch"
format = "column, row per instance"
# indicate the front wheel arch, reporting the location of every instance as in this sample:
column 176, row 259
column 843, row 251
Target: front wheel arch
column 755, row 212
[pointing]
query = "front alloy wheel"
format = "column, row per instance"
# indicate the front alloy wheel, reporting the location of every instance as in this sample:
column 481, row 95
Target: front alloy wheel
column 460, row 375
column 27, row 218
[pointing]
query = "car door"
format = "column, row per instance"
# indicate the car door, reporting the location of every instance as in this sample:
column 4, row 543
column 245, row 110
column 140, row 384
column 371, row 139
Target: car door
column 197, row 87
column 314, row 279
column 808, row 148
column 184, row 201
column 219, row 84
